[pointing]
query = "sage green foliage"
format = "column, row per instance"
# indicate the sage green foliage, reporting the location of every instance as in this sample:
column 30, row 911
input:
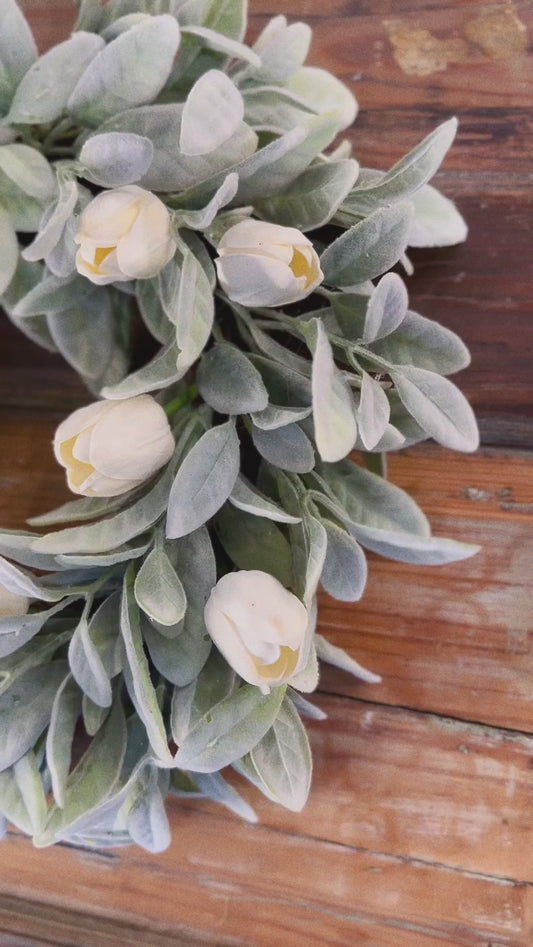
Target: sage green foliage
column 265, row 404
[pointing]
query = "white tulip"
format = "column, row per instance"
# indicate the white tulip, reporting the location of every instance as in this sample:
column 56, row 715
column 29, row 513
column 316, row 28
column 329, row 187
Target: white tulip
column 123, row 234
column 263, row 264
column 258, row 626
column 110, row 447
column 11, row 604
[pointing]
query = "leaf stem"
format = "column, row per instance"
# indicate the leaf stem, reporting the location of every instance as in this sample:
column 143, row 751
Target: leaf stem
column 180, row 401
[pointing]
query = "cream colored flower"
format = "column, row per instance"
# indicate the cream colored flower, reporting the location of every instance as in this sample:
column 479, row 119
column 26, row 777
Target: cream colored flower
column 263, row 264
column 11, row 604
column 123, row 234
column 110, row 447
column 258, row 626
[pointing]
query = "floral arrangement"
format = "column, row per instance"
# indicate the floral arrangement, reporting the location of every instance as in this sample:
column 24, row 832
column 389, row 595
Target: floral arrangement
column 181, row 221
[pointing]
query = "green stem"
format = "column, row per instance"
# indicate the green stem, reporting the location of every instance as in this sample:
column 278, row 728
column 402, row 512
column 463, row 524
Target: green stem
column 180, row 401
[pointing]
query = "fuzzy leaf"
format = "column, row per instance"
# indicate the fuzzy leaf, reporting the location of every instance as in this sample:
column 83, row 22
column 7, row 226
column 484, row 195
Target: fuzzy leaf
column 137, row 673
column 280, row 765
column 229, row 730
column 229, row 383
column 43, row 94
column 438, row 406
column 204, row 481
column 369, row 248
column 158, row 589
column 116, row 158
column 131, row 70
column 387, row 308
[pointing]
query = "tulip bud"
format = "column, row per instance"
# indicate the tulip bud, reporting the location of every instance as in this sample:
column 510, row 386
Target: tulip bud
column 110, row 447
column 263, row 264
column 11, row 604
column 123, row 234
column 258, row 626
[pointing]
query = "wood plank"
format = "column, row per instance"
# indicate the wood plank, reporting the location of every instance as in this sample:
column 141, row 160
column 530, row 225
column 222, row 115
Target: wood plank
column 392, row 782
column 231, row 883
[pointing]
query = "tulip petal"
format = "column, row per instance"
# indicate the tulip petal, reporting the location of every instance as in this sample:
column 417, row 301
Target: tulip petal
column 109, row 216
column 257, row 280
column 77, row 422
column 132, row 440
column 250, row 234
column 148, row 246
column 98, row 485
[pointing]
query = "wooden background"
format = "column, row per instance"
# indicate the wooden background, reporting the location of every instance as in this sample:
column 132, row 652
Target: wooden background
column 418, row 832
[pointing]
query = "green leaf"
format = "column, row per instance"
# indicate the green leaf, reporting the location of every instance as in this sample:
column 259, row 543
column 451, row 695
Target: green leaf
column 147, row 820
column 373, row 412
column 17, row 631
column 437, row 222
column 170, row 169
column 194, row 312
column 340, row 659
column 93, row 715
column 333, row 405
column 204, row 481
column 44, row 91
column 25, row 710
column 215, row 681
column 56, row 218
column 229, row 730
column 212, row 113
column 158, row 589
column 109, row 533
column 283, row 50
column 159, row 372
column 227, row 17
column 369, row 500
column 17, row 50
column 407, row 176
column 280, row 765
column 254, row 542
column 22, row 795
column 249, row 499
column 273, row 416
column 87, row 667
column 313, row 198
column 438, row 406
column 274, row 167
column 116, row 158
column 131, row 70
column 137, row 673
column 92, row 781
column 345, row 570
column 387, row 308
column 29, row 170
column 322, row 92
column 65, row 712
column 369, row 248
column 228, row 381
column 425, row 344
column 285, row 447
column 408, row 547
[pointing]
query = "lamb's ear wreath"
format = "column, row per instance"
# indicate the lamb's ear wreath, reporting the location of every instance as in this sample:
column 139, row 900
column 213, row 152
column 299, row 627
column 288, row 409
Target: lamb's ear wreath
column 155, row 169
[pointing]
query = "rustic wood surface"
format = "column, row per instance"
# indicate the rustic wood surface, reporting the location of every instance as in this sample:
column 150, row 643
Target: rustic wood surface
column 418, row 832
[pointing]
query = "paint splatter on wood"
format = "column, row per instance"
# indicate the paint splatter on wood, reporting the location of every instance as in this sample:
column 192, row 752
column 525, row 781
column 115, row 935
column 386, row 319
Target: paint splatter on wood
column 496, row 32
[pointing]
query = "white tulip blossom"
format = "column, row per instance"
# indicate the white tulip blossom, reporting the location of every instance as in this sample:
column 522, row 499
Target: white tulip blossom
column 258, row 626
column 110, row 447
column 124, row 234
column 11, row 604
column 264, row 264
